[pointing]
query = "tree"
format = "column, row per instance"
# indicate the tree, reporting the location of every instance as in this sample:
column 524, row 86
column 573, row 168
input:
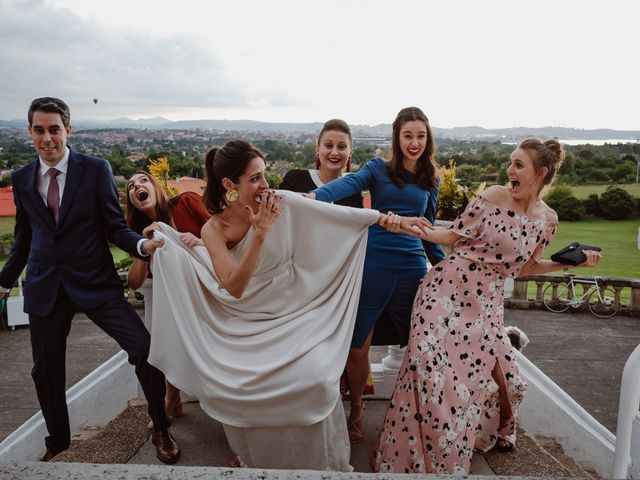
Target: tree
column 308, row 155
column 273, row 179
column 598, row 175
column 470, row 174
column 624, row 171
column 567, row 172
column 503, row 178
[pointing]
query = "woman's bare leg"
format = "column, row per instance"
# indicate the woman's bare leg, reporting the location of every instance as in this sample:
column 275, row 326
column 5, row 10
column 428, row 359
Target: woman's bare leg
column 357, row 373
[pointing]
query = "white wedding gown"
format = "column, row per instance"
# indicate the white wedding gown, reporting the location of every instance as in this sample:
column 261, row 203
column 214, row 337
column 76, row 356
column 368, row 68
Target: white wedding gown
column 268, row 365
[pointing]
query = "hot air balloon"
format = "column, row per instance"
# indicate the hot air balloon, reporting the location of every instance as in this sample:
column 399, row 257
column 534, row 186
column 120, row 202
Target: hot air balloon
column 95, row 100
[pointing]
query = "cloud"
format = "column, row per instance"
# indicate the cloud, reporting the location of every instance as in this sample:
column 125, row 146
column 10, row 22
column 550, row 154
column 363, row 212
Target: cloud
column 51, row 51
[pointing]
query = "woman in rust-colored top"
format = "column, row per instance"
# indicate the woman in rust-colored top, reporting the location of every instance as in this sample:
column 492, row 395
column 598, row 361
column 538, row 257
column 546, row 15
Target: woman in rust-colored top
column 147, row 202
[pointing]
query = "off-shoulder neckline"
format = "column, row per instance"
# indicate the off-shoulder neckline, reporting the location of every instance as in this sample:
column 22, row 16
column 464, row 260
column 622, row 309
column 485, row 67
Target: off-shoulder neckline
column 521, row 215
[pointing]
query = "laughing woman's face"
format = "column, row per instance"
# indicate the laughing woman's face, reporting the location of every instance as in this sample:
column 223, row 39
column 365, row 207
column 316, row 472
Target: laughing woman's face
column 142, row 193
column 524, row 181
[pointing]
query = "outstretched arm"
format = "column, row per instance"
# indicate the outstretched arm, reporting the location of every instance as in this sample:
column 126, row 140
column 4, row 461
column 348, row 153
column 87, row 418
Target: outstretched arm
column 547, row 266
column 441, row 235
column 345, row 186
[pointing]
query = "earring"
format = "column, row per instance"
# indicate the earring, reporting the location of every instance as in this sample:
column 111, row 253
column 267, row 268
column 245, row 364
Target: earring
column 231, row 195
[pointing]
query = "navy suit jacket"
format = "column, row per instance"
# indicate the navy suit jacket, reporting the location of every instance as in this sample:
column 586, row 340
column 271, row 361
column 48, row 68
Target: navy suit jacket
column 74, row 254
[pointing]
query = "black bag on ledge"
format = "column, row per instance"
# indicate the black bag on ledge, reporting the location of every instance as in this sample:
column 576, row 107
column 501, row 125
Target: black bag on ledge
column 572, row 254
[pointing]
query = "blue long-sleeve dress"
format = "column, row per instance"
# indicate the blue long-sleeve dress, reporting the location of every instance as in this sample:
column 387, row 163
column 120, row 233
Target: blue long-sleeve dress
column 394, row 263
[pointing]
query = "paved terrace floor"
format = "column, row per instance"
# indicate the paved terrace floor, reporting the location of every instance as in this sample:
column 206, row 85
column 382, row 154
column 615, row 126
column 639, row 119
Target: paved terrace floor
column 583, row 354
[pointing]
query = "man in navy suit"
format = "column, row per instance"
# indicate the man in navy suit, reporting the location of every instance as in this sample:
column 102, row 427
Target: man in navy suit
column 67, row 211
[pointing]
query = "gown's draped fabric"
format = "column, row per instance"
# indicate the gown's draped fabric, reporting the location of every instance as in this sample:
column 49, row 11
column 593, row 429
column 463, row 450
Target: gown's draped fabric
column 272, row 358
column 446, row 402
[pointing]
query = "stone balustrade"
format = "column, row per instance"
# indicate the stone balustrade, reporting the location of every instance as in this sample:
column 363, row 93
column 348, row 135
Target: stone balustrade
column 520, row 296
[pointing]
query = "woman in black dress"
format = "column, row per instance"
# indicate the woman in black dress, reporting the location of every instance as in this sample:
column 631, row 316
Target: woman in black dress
column 333, row 155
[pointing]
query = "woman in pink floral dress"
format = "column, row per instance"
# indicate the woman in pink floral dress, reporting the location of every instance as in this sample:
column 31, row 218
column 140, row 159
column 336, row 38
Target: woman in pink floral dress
column 459, row 387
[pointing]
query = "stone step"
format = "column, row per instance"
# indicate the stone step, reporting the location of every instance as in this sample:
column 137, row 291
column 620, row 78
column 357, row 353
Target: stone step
column 203, row 443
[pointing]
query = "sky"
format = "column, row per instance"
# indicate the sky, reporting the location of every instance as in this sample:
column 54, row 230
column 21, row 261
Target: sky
column 490, row 63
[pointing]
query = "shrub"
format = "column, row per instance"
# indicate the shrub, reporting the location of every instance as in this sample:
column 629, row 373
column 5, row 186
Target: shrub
column 123, row 264
column 592, row 205
column 159, row 169
column 569, row 208
column 557, row 194
column 6, row 239
column 617, row 204
column 453, row 198
column 598, row 175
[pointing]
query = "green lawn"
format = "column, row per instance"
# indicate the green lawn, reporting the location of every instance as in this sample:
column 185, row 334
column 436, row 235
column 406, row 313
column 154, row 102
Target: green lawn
column 617, row 238
column 6, row 224
column 583, row 191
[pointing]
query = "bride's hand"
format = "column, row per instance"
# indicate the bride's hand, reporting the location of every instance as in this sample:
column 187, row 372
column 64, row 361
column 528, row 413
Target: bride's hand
column 268, row 211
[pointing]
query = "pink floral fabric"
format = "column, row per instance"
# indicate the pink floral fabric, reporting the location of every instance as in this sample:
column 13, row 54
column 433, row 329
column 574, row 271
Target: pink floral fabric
column 446, row 401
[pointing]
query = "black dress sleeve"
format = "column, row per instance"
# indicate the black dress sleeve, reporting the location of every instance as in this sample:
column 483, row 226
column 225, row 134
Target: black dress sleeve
column 297, row 181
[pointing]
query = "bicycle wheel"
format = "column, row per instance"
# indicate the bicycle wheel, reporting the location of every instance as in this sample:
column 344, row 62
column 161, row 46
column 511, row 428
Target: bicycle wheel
column 557, row 297
column 605, row 304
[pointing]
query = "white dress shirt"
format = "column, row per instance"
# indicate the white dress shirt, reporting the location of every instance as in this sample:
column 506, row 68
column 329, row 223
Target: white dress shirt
column 44, row 179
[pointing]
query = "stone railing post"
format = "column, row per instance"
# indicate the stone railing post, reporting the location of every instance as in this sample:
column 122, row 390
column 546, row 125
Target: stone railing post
column 519, row 294
column 634, row 307
column 385, row 373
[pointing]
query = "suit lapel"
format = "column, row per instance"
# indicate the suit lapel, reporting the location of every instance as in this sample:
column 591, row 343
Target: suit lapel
column 40, row 207
column 74, row 173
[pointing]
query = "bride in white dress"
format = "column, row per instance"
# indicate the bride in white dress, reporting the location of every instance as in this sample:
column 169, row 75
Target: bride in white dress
column 257, row 324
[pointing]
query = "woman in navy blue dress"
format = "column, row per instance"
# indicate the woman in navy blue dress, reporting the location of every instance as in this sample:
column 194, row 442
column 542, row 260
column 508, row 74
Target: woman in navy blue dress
column 407, row 185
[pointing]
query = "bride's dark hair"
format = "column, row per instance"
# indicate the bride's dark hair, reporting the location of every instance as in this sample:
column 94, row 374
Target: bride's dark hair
column 230, row 162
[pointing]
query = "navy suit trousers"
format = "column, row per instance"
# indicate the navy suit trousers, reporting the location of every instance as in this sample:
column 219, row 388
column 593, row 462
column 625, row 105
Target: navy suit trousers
column 48, row 341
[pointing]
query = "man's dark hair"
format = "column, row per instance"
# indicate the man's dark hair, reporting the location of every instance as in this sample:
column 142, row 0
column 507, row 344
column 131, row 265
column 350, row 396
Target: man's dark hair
column 50, row 105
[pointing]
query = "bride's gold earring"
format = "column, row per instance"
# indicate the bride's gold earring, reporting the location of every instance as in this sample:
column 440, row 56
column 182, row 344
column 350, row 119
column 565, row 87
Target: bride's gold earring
column 231, row 196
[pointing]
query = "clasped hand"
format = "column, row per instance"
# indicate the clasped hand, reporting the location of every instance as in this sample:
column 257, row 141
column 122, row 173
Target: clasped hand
column 269, row 210
column 593, row 258
column 415, row 226
column 149, row 246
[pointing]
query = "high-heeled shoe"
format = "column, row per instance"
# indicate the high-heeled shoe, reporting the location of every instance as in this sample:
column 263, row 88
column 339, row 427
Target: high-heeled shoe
column 504, row 445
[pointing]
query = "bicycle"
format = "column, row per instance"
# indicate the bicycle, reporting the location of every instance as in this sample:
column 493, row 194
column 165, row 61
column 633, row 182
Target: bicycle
column 602, row 301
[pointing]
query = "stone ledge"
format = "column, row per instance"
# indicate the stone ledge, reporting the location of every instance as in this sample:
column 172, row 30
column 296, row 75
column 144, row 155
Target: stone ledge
column 87, row 471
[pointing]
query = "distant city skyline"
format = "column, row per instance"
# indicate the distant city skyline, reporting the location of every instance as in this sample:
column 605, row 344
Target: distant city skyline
column 494, row 64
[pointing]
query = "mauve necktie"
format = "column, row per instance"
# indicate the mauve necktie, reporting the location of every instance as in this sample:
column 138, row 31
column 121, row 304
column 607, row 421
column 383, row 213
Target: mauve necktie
column 53, row 194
